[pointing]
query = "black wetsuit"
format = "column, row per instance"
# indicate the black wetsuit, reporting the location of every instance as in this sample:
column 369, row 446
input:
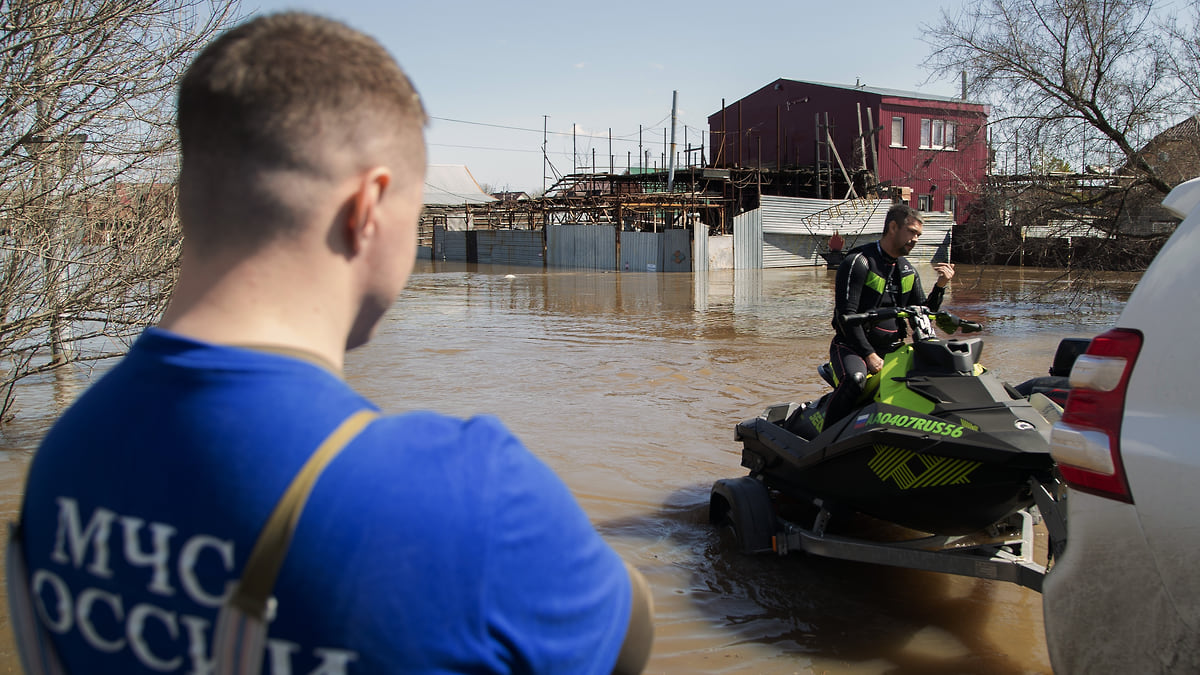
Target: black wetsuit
column 869, row 279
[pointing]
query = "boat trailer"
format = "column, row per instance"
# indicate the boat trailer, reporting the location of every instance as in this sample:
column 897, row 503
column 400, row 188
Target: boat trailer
column 1003, row 553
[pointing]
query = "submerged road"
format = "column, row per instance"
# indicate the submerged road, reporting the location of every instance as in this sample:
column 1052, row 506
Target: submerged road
column 629, row 385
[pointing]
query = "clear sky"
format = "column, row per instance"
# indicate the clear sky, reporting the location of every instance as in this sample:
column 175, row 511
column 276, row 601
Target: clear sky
column 490, row 72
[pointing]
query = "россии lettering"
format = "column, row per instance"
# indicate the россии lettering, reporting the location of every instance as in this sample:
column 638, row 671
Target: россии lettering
column 89, row 548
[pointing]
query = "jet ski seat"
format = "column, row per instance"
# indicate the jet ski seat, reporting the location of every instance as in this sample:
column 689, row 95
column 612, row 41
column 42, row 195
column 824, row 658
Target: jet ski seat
column 940, row 356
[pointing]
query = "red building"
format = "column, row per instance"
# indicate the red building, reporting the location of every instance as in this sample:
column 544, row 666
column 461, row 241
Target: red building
column 934, row 145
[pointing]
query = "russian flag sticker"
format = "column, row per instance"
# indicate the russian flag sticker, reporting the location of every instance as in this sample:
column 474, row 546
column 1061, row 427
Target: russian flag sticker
column 861, row 421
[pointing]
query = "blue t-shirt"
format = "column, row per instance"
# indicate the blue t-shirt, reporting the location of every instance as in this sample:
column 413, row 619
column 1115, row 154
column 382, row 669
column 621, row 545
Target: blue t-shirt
column 429, row 545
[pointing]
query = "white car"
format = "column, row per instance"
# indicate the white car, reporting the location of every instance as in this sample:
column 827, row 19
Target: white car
column 1124, row 596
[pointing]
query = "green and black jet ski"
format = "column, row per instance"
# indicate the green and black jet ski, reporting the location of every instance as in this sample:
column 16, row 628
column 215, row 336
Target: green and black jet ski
column 939, row 444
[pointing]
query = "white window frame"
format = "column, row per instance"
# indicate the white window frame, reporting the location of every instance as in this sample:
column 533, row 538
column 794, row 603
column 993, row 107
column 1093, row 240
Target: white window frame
column 950, row 203
column 897, row 132
column 938, row 134
column 924, row 202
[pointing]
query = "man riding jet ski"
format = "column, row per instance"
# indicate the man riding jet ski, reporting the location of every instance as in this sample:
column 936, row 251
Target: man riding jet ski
column 876, row 276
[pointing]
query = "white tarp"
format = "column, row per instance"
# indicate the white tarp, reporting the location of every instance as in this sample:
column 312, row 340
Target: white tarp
column 452, row 185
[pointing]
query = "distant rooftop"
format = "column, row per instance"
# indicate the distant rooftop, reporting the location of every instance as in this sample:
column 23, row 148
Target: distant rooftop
column 452, row 185
column 883, row 91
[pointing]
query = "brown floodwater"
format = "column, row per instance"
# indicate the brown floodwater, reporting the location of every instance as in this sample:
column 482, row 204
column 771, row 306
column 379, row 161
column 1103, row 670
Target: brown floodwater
column 629, row 386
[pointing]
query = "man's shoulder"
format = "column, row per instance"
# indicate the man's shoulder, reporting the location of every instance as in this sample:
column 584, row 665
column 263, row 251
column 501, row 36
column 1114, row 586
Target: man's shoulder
column 858, row 258
column 436, row 429
column 476, row 463
column 864, row 253
column 203, row 400
column 426, row 441
column 169, row 374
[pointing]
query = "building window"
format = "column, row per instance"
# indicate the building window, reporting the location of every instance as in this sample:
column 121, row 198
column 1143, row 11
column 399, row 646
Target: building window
column 939, row 134
column 951, row 204
column 924, row 202
column 898, row 132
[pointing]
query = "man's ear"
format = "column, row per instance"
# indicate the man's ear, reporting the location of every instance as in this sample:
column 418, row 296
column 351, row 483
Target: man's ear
column 362, row 215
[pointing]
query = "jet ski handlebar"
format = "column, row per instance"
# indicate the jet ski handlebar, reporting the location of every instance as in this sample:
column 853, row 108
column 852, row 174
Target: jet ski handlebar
column 918, row 314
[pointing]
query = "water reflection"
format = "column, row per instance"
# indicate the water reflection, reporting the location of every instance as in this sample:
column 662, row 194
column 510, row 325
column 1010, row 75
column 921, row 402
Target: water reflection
column 1030, row 300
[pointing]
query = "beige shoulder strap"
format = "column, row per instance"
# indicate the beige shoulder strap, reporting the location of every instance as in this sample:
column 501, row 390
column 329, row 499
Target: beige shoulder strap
column 258, row 579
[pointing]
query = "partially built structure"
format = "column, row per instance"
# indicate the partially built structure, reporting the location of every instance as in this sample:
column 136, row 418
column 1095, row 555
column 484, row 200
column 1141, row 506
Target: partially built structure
column 710, row 218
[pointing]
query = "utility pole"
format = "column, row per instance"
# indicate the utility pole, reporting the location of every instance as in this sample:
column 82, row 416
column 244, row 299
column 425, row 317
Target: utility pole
column 674, row 110
column 640, row 165
column 545, row 157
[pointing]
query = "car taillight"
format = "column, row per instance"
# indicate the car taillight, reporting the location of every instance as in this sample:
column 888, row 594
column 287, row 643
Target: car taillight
column 1086, row 443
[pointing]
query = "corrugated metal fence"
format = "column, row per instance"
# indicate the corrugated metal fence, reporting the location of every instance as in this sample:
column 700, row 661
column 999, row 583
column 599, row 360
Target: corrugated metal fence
column 590, row 246
column 796, row 230
column 587, row 246
column 699, row 246
column 514, row 247
column 639, row 252
column 748, row 240
column 449, row 244
column 674, row 251
column 595, row 247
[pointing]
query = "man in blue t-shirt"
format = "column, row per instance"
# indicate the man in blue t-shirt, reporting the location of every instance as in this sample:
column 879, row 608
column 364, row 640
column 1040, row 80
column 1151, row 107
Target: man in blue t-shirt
column 429, row 545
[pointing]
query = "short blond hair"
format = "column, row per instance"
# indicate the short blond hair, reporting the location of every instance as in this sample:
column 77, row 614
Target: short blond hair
column 265, row 96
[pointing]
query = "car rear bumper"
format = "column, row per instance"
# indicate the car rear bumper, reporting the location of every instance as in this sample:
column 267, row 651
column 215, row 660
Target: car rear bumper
column 1105, row 608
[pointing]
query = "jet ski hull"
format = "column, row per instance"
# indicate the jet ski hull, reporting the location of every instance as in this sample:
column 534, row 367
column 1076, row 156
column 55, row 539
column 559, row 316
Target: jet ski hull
column 955, row 473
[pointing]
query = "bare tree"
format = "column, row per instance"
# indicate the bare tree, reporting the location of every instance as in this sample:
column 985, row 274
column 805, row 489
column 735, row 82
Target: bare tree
column 1090, row 81
column 88, row 232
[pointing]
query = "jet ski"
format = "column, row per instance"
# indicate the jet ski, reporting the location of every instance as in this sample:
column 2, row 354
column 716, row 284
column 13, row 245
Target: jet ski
column 937, row 443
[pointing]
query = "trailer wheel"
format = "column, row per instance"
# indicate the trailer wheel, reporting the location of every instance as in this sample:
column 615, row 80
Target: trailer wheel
column 743, row 506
